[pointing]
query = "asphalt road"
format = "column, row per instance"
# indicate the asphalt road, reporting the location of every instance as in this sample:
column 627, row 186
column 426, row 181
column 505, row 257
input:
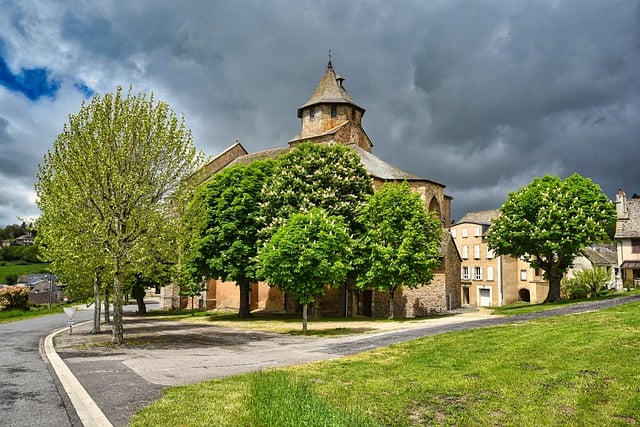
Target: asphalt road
column 28, row 392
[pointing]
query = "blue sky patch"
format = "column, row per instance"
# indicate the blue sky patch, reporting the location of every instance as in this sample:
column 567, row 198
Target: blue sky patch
column 86, row 90
column 33, row 83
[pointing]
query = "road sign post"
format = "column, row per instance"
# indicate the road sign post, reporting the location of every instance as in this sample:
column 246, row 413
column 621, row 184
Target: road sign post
column 71, row 311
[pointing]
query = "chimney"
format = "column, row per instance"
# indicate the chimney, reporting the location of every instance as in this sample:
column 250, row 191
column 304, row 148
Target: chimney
column 621, row 205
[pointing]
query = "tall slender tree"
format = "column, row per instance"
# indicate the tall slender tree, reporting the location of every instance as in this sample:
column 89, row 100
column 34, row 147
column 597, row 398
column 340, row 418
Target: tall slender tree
column 120, row 161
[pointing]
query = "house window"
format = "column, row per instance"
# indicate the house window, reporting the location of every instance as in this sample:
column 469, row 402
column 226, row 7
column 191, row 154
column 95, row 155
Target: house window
column 635, row 246
column 465, row 252
column 489, row 253
column 312, row 112
column 465, row 273
column 476, row 231
column 489, row 273
column 353, row 115
column 478, row 273
column 523, row 274
column 453, row 233
column 334, row 111
column 464, row 232
column 476, row 251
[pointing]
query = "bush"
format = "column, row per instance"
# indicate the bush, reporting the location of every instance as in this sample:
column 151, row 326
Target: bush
column 588, row 283
column 14, row 297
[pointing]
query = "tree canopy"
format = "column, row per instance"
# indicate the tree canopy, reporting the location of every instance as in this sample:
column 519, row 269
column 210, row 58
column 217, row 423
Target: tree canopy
column 548, row 222
column 306, row 254
column 226, row 211
column 400, row 244
column 117, row 167
column 330, row 177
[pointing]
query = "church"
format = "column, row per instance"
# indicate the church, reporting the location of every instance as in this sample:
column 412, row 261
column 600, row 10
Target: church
column 330, row 116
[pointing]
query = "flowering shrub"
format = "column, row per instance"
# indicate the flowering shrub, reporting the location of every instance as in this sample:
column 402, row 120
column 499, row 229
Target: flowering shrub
column 14, row 297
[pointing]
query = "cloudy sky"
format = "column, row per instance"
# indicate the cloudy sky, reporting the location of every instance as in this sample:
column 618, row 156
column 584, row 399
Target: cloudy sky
column 482, row 96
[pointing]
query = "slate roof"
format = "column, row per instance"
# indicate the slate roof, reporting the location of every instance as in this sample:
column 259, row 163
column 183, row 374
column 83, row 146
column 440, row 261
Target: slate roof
column 601, row 254
column 629, row 228
column 480, row 217
column 329, row 91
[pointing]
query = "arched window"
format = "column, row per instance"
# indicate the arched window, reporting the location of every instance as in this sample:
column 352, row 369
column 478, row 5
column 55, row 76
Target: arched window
column 434, row 206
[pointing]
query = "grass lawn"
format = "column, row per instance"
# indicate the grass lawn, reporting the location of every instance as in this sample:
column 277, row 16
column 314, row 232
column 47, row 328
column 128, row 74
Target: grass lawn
column 20, row 269
column 571, row 370
column 34, row 311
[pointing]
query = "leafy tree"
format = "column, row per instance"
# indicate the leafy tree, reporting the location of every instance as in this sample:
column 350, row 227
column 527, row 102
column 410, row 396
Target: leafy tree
column 306, row 254
column 226, row 211
column 588, row 283
column 315, row 175
column 400, row 243
column 548, row 222
column 120, row 162
column 311, row 175
column 191, row 289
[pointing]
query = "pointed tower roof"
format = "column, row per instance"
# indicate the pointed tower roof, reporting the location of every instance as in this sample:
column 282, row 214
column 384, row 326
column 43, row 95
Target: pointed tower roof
column 329, row 91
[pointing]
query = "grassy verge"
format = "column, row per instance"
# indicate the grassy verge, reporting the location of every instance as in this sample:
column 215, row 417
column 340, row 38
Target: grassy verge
column 570, row 370
column 34, row 311
column 20, row 269
column 525, row 308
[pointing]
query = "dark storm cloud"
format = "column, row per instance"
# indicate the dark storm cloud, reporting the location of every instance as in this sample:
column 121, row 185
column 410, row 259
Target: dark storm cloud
column 479, row 96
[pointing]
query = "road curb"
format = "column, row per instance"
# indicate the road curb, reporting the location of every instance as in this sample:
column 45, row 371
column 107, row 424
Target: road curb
column 88, row 411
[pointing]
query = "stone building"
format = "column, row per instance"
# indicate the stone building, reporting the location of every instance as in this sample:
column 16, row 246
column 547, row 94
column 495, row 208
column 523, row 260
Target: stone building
column 489, row 279
column 330, row 116
column 628, row 238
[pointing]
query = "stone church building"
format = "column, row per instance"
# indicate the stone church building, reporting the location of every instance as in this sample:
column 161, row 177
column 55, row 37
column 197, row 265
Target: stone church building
column 330, row 116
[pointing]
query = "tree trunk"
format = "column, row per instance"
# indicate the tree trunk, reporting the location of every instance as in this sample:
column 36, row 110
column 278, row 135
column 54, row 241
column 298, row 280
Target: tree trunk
column 244, row 311
column 96, row 306
column 118, row 327
column 142, row 307
column 304, row 317
column 554, row 286
column 107, row 312
column 392, row 291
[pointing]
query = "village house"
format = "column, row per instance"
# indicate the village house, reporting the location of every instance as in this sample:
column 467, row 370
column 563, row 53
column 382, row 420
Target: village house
column 330, row 116
column 489, row 279
column 628, row 238
column 602, row 256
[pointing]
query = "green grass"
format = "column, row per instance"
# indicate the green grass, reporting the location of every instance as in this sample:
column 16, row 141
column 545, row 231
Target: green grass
column 525, row 307
column 570, row 370
column 34, row 311
column 20, row 269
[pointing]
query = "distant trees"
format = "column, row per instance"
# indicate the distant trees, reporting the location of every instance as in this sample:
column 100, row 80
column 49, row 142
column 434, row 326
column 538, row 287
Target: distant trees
column 109, row 187
column 549, row 221
column 400, row 243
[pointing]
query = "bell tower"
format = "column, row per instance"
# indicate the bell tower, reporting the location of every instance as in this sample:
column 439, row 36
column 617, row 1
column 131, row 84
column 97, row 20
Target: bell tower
column 331, row 116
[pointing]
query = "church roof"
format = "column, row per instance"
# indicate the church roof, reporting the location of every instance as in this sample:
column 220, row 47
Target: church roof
column 329, row 91
column 378, row 168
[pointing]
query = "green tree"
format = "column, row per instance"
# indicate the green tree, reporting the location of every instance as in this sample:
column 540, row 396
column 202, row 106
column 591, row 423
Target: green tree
column 401, row 241
column 120, row 161
column 548, row 222
column 311, row 175
column 306, row 254
column 226, row 211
